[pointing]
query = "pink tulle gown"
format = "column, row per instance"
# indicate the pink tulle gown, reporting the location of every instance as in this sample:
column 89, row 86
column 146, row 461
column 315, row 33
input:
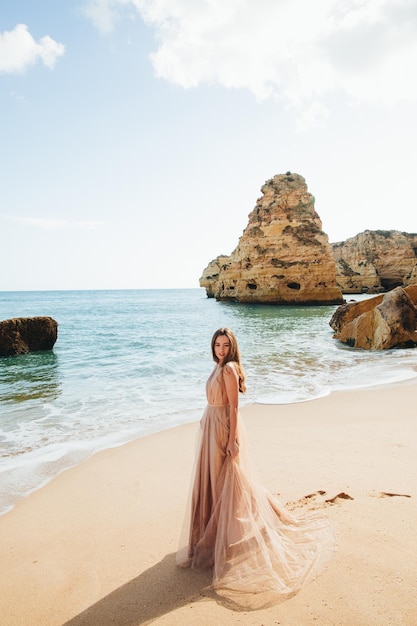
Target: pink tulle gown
column 253, row 544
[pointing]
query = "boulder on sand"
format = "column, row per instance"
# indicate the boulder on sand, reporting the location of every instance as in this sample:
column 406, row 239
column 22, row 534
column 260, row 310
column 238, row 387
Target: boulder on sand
column 386, row 321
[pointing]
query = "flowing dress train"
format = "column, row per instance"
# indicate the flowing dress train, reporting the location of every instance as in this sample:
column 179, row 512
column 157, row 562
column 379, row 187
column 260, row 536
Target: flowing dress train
column 238, row 527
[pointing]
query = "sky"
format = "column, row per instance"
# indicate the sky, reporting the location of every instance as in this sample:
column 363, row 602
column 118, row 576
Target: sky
column 135, row 135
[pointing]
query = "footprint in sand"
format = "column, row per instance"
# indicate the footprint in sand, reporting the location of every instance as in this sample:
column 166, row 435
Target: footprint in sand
column 316, row 500
column 388, row 494
column 338, row 497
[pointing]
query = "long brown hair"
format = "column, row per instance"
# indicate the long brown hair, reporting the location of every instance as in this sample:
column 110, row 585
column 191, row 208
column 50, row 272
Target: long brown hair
column 233, row 355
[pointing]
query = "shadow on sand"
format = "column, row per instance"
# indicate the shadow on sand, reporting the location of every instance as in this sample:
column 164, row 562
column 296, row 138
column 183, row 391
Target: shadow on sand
column 156, row 592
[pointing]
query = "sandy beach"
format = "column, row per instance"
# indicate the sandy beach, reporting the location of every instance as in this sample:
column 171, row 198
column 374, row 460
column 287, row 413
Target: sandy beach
column 97, row 545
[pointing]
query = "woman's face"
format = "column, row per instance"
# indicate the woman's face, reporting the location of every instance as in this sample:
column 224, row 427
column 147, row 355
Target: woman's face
column 221, row 347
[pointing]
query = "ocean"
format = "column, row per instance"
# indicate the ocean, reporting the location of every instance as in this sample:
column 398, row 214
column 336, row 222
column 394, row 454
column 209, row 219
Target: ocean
column 133, row 362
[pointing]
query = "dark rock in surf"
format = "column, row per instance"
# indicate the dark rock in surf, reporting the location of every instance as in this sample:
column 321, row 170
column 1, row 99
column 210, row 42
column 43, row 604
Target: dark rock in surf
column 27, row 334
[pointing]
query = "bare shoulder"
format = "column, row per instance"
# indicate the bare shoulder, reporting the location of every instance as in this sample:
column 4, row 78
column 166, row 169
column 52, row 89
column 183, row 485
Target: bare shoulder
column 231, row 368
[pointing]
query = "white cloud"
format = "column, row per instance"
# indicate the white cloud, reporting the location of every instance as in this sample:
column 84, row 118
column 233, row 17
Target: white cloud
column 17, row 97
column 315, row 115
column 104, row 13
column 19, row 50
column 54, row 224
column 297, row 51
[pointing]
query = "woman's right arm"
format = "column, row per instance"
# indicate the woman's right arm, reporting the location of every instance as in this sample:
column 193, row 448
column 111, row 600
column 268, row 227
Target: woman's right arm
column 231, row 382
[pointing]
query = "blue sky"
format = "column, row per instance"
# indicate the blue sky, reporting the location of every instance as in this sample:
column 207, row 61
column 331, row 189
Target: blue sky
column 136, row 134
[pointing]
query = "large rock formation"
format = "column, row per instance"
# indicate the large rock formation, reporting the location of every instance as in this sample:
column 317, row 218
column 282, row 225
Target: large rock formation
column 27, row 334
column 376, row 261
column 283, row 256
column 379, row 323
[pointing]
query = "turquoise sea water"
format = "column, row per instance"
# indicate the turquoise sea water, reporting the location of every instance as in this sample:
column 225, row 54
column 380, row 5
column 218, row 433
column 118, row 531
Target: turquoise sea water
column 129, row 363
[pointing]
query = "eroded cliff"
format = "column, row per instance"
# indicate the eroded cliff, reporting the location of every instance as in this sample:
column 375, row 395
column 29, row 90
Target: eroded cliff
column 283, row 255
column 376, row 260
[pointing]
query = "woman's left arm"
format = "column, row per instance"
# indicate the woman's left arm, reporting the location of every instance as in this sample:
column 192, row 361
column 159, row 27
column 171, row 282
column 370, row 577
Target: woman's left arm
column 231, row 382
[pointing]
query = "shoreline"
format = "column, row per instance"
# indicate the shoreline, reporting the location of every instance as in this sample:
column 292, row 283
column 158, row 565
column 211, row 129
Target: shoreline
column 97, row 544
column 86, row 450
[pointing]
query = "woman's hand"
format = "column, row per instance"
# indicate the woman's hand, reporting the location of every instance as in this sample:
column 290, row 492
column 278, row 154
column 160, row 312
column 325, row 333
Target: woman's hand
column 232, row 449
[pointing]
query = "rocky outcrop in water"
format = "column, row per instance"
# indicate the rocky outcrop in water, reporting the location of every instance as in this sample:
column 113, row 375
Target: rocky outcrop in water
column 210, row 276
column 283, row 256
column 376, row 261
column 379, row 323
column 27, row 334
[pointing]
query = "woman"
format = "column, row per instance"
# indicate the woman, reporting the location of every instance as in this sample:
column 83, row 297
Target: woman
column 237, row 527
